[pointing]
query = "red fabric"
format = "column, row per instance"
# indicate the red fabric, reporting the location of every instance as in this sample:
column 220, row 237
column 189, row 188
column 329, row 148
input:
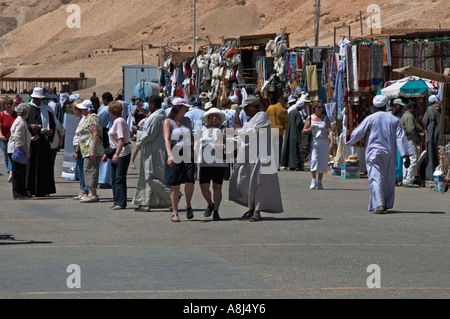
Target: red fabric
column 7, row 121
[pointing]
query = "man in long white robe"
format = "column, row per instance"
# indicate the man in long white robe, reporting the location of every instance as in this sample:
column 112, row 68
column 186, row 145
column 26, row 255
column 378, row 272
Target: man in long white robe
column 151, row 191
column 384, row 134
column 254, row 184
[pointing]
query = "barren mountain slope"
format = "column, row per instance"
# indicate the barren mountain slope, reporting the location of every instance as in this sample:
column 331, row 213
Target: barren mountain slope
column 43, row 45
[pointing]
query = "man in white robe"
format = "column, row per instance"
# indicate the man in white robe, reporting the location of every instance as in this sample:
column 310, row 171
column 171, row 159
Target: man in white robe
column 151, row 191
column 254, row 183
column 384, row 134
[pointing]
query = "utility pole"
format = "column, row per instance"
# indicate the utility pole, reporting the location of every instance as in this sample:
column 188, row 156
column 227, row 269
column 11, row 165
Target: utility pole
column 194, row 35
column 317, row 5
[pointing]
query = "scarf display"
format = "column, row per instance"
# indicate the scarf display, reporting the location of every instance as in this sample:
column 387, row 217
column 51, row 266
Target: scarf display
column 364, row 67
column 312, row 81
column 438, row 58
column 377, row 78
column 445, row 49
column 428, row 56
column 397, row 59
column 408, row 54
column 352, row 68
column 417, row 55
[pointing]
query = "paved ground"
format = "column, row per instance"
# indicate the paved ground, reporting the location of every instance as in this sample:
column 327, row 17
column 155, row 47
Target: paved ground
column 320, row 247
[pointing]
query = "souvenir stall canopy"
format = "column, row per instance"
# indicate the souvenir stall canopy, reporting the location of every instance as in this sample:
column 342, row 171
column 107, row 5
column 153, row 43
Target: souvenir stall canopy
column 422, row 53
column 443, row 94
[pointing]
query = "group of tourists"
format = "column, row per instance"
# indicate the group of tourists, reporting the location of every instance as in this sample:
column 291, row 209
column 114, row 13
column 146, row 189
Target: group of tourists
column 179, row 141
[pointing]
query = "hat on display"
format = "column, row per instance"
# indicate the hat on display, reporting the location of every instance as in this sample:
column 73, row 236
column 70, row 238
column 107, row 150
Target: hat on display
column 380, row 101
column 85, row 105
column 305, row 97
column 292, row 99
column 38, row 93
column 208, row 105
column 300, row 104
column 352, row 159
column 203, row 95
column 234, row 99
column 197, row 102
column 398, row 102
column 214, row 110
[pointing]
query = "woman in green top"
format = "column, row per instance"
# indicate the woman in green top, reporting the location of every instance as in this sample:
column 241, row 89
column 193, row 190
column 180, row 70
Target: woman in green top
column 91, row 147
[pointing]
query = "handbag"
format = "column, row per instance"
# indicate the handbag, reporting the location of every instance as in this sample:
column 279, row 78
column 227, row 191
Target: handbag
column 109, row 152
column 305, row 143
column 19, row 154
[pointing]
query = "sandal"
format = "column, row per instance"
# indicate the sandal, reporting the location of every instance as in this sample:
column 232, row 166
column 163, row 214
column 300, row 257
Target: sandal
column 189, row 213
column 247, row 215
column 256, row 218
column 175, row 218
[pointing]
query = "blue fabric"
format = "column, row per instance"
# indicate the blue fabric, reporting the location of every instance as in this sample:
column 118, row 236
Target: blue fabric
column 4, row 147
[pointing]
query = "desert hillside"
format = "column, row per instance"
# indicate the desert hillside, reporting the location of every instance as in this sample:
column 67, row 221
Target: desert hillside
column 36, row 40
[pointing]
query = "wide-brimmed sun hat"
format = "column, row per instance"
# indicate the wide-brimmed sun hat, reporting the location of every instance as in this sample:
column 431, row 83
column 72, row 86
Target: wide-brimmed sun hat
column 211, row 111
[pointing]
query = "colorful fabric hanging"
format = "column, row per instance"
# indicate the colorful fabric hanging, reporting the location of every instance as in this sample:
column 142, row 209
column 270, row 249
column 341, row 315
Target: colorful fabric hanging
column 364, row 67
column 377, row 67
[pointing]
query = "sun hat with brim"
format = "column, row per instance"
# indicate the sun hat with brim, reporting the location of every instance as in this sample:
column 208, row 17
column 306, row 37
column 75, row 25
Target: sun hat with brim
column 203, row 95
column 180, row 101
column 208, row 105
column 250, row 100
column 292, row 99
column 214, row 110
column 352, row 159
column 300, row 103
column 38, row 93
column 85, row 105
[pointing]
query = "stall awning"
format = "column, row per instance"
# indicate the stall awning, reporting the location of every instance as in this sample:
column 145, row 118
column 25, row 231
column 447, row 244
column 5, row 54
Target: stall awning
column 434, row 76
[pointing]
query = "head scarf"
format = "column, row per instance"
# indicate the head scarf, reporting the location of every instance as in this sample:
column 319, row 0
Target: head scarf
column 380, row 101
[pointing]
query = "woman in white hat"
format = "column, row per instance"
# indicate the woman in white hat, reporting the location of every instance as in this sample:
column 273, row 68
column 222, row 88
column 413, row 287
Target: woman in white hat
column 383, row 134
column 211, row 161
column 42, row 123
column 180, row 167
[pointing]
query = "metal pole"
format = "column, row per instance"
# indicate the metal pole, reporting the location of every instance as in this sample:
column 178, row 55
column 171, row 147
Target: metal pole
column 194, row 27
column 317, row 22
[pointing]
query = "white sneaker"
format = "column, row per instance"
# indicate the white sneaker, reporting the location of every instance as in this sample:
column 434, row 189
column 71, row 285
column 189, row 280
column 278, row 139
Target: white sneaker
column 313, row 184
column 79, row 196
column 319, row 185
column 89, row 199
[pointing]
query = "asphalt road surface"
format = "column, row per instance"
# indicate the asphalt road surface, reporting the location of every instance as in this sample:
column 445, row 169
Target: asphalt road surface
column 325, row 245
